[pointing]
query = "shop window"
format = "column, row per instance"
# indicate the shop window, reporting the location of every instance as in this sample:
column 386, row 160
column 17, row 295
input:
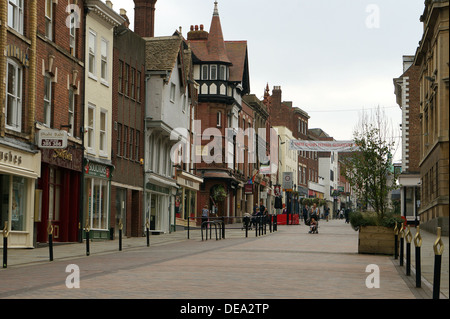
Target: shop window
column 54, row 195
column 13, row 201
column 98, row 203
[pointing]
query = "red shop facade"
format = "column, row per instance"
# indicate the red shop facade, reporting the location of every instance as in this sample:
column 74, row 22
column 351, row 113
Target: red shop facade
column 59, row 193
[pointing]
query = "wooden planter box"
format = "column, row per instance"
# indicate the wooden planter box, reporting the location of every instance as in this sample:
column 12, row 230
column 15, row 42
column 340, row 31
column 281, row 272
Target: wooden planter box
column 376, row 240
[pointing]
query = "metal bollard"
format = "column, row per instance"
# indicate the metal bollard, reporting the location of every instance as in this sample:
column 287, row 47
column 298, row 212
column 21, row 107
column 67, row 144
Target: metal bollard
column 50, row 240
column 418, row 244
column 189, row 217
column 223, row 227
column 120, row 234
column 147, row 226
column 5, row 245
column 437, row 264
column 87, row 229
column 396, row 242
column 246, row 229
column 401, row 244
column 408, row 237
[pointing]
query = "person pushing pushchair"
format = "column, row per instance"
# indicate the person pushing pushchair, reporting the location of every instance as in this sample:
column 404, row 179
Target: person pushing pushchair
column 314, row 219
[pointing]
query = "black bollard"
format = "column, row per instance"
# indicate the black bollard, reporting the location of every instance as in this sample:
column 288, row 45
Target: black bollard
column 223, row 227
column 401, row 245
column 418, row 270
column 246, row 229
column 5, row 251
column 120, row 239
column 188, row 226
column 437, row 264
column 5, row 245
column 270, row 223
column 408, row 252
column 396, row 242
column 87, row 243
column 147, row 226
column 50, row 240
column 120, row 235
column 418, row 244
column 50, row 246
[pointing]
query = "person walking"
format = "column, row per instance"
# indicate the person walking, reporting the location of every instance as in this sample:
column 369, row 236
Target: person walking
column 205, row 215
column 305, row 213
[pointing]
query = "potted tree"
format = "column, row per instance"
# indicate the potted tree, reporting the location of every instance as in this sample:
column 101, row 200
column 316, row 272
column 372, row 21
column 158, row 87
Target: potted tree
column 370, row 173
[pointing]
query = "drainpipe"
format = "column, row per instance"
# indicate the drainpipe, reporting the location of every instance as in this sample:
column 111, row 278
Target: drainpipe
column 32, row 69
column 3, row 27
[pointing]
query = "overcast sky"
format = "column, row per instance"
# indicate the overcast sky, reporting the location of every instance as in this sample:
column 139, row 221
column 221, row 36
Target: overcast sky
column 332, row 58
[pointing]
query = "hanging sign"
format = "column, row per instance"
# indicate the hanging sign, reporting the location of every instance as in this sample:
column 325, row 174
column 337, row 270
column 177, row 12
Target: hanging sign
column 323, row 146
column 52, row 139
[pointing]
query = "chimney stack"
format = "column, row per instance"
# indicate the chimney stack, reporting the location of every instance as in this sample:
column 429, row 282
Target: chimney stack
column 144, row 18
column 123, row 13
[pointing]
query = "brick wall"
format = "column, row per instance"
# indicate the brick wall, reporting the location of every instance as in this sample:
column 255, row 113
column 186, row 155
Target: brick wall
column 64, row 64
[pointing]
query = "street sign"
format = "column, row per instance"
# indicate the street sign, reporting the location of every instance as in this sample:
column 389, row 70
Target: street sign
column 288, row 181
column 52, row 139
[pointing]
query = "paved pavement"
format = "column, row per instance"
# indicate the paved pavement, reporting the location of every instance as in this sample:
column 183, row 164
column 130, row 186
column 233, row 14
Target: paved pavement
column 287, row 264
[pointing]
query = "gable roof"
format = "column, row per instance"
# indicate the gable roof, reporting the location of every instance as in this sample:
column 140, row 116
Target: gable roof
column 161, row 53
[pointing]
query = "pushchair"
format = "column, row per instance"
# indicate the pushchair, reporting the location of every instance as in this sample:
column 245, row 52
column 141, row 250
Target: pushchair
column 313, row 226
column 247, row 222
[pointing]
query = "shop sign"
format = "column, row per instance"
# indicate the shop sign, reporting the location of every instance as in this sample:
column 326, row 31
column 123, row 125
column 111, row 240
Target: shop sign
column 52, row 139
column 288, row 181
column 9, row 157
column 98, row 170
column 248, row 189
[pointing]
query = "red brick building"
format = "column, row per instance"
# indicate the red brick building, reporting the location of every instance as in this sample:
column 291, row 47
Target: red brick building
column 59, row 105
column 283, row 113
column 221, row 70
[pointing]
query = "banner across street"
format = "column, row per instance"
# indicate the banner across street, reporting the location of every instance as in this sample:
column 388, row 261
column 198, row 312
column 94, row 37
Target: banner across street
column 323, row 146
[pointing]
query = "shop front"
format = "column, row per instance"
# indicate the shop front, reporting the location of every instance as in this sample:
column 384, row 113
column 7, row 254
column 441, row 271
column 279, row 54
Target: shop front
column 19, row 170
column 159, row 203
column 97, row 190
column 186, row 199
column 59, row 189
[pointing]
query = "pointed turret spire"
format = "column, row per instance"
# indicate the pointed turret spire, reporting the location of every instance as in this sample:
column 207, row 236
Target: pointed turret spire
column 216, row 9
column 216, row 43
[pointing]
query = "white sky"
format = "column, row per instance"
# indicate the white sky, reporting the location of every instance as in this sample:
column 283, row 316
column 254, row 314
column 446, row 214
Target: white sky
column 332, row 58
